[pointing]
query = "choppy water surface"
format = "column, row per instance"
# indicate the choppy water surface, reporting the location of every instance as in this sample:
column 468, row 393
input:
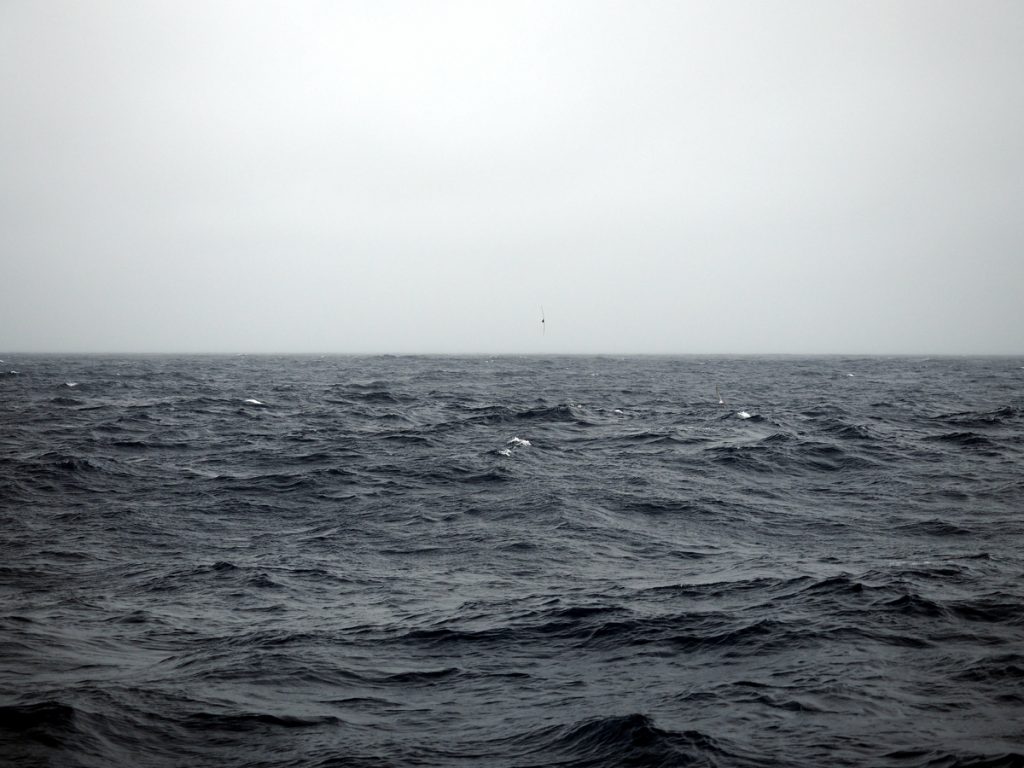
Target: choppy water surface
column 346, row 561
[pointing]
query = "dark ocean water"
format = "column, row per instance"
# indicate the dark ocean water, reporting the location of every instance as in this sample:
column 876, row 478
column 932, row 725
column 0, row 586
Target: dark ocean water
column 511, row 561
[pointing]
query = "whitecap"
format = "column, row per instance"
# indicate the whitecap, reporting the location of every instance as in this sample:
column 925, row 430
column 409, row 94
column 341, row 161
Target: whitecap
column 70, row 383
column 518, row 441
column 742, row 415
column 253, row 401
column 505, row 452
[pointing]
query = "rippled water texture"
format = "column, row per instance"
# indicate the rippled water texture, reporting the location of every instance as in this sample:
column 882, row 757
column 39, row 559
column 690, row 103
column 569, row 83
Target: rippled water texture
column 342, row 561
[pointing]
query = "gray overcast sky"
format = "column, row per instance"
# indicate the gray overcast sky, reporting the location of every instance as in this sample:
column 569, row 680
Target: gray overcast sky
column 422, row 176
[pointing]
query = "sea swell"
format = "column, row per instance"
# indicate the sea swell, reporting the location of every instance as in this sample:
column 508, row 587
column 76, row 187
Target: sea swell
column 510, row 561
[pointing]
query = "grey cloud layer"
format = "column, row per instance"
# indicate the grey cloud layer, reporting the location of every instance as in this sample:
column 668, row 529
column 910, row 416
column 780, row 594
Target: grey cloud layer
column 662, row 177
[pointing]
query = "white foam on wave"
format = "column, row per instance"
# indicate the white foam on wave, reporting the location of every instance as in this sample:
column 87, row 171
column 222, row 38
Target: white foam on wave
column 70, row 383
column 253, row 401
column 515, row 443
column 743, row 415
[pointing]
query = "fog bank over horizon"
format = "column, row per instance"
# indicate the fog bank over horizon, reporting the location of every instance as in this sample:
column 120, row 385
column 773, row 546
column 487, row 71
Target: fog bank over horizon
column 399, row 177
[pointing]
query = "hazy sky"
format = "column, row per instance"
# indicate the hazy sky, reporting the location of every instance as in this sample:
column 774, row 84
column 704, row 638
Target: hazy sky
column 422, row 176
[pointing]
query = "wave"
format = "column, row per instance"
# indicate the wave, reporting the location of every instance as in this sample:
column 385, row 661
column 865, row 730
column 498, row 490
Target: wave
column 250, row 721
column 625, row 740
column 372, row 393
column 782, row 453
column 67, row 401
column 1003, row 667
column 1006, row 415
column 38, row 720
column 564, row 413
column 58, row 472
column 935, row 527
column 842, row 430
column 828, row 457
column 965, row 439
column 601, row 628
column 923, row 758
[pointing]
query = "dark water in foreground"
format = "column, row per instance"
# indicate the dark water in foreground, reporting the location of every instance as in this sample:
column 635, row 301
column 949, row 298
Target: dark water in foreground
column 366, row 568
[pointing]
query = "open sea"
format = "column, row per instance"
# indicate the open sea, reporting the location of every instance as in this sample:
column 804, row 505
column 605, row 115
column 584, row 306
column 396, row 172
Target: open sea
column 511, row 561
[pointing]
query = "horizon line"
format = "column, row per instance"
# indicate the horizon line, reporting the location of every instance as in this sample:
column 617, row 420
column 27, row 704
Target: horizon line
column 531, row 353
